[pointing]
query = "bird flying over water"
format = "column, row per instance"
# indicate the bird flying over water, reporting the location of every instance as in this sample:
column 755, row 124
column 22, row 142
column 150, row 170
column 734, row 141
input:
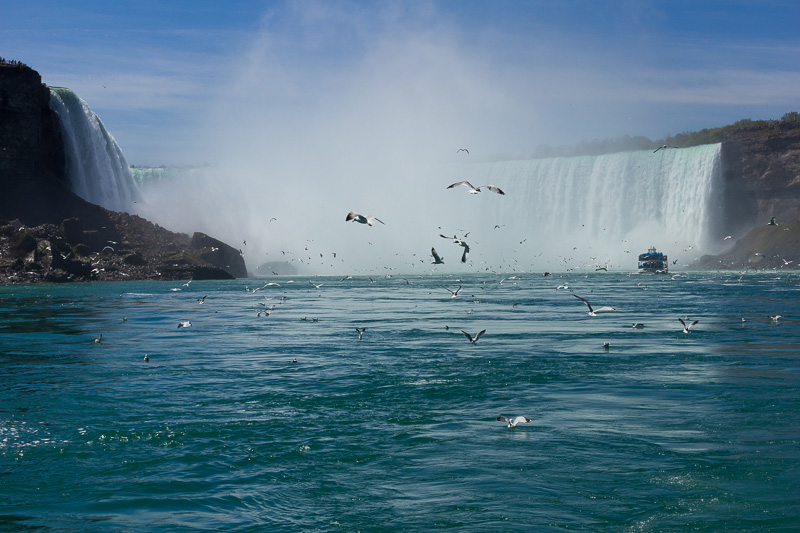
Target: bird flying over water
column 184, row 324
column 361, row 219
column 593, row 312
column 461, row 243
column 436, row 259
column 474, row 339
column 476, row 190
column 686, row 327
column 512, row 422
column 360, row 332
column 455, row 293
column 462, row 150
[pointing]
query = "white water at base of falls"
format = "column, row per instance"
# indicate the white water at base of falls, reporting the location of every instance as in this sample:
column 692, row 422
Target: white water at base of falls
column 606, row 208
column 96, row 167
column 558, row 214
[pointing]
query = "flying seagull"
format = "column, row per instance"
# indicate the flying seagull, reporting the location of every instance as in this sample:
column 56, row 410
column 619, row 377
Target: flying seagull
column 476, row 190
column 462, row 150
column 361, row 219
column 686, row 327
column 455, row 293
column 472, row 339
column 436, row 259
column 512, row 422
column 184, row 324
column 461, row 243
column 98, row 340
column 202, row 300
column 593, row 312
column 360, row 332
column 663, row 146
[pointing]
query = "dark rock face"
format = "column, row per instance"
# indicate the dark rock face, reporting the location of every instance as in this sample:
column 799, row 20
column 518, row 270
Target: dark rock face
column 219, row 254
column 48, row 233
column 760, row 180
column 764, row 247
column 761, row 176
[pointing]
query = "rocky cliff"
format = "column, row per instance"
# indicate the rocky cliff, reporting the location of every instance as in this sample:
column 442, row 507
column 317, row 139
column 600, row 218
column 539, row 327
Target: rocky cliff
column 47, row 233
column 761, row 180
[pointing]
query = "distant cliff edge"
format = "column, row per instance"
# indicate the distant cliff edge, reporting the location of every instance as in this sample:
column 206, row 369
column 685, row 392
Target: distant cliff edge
column 48, row 233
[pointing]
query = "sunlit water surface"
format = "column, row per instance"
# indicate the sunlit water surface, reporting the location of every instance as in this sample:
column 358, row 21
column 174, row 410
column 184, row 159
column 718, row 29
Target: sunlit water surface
column 221, row 430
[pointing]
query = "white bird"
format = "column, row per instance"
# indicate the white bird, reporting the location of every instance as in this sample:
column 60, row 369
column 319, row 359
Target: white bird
column 455, row 293
column 461, row 243
column 361, row 219
column 184, row 324
column 476, row 190
column 593, row 312
column 512, row 422
column 146, row 358
column 638, row 325
column 728, row 237
column 686, row 327
column 436, row 259
column 360, row 332
column 663, row 146
column 474, row 339
column 773, row 318
column 202, row 300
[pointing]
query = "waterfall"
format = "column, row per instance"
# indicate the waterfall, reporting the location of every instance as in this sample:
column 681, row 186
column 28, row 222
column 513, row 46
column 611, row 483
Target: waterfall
column 609, row 207
column 96, row 167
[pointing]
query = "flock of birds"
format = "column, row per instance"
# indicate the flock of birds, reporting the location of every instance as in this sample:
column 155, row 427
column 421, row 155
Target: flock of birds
column 352, row 216
column 438, row 259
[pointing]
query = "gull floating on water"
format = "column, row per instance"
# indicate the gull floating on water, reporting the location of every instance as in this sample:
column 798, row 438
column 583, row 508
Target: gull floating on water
column 146, row 358
column 476, row 190
column 687, row 327
column 474, row 339
column 593, row 312
column 361, row 219
column 98, row 340
column 184, row 324
column 512, row 422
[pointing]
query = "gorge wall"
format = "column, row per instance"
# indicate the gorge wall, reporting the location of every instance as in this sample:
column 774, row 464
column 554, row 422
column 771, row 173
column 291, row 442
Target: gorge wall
column 48, row 233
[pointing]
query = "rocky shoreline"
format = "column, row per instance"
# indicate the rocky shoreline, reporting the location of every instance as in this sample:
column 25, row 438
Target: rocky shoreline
column 130, row 248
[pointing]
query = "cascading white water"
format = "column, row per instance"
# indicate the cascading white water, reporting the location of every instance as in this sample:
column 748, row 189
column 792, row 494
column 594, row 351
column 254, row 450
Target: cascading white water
column 558, row 214
column 609, row 207
column 96, row 167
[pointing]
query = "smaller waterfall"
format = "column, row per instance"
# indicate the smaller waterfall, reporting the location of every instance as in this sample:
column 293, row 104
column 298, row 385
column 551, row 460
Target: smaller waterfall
column 96, row 167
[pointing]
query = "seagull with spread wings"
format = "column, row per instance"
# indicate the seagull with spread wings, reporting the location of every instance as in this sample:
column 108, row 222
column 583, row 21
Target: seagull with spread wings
column 476, row 190
column 362, row 219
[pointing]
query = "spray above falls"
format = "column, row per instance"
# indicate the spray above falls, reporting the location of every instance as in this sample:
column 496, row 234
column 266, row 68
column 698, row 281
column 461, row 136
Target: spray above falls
column 96, row 167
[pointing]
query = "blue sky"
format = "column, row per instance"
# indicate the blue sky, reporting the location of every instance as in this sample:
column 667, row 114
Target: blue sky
column 180, row 82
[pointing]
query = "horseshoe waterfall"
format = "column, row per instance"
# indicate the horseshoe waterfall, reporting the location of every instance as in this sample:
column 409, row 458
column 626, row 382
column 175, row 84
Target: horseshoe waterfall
column 608, row 208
